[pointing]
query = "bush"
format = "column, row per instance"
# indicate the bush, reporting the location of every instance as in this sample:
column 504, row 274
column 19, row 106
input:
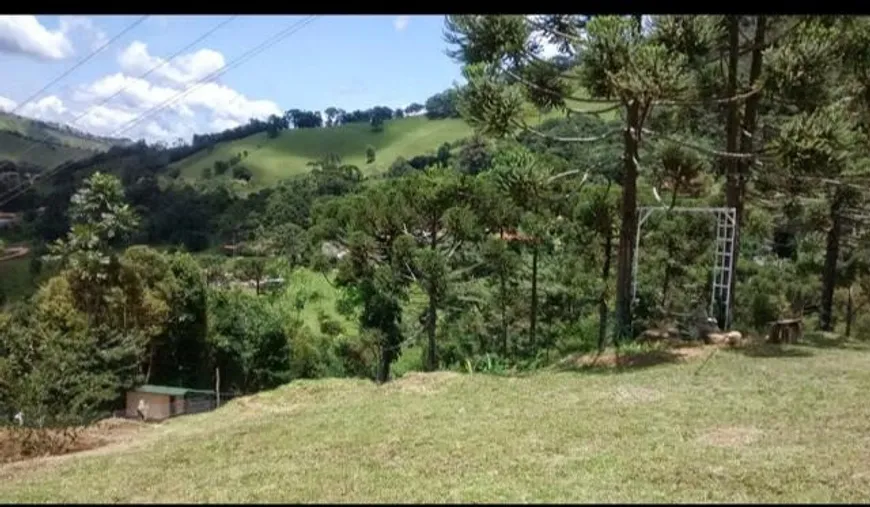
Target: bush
column 399, row 168
column 241, row 172
column 206, row 173
column 328, row 325
column 370, row 154
column 220, row 167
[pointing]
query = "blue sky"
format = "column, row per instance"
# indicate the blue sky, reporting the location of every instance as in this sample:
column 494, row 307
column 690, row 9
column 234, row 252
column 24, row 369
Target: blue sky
column 349, row 62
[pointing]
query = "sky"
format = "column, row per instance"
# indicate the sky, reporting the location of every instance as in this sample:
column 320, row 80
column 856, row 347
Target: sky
column 350, row 62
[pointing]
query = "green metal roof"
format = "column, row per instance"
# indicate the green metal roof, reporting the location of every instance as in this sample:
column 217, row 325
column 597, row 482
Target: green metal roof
column 170, row 391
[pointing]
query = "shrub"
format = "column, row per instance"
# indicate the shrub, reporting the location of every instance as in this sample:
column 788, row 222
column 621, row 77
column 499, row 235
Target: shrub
column 241, row 172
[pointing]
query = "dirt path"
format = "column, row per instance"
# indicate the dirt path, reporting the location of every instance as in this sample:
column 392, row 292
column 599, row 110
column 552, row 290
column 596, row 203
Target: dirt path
column 106, row 437
column 14, row 252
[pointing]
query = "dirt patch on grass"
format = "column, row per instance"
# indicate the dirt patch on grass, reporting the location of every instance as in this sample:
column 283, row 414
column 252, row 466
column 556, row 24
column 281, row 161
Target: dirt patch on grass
column 417, row 382
column 731, row 436
column 99, row 436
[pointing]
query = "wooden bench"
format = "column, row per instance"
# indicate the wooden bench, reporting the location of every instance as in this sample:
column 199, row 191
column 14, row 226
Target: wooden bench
column 785, row 331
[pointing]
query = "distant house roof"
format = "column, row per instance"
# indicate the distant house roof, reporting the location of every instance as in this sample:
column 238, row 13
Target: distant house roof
column 170, row 391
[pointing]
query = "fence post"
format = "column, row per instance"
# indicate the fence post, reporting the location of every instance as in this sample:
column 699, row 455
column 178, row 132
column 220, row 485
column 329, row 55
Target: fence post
column 217, row 386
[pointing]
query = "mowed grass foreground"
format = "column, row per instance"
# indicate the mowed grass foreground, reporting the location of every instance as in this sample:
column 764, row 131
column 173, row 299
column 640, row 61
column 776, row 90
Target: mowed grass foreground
column 774, row 425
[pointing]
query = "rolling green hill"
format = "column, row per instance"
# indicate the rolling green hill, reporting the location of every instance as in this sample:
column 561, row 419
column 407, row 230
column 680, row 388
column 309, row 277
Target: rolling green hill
column 761, row 424
column 271, row 160
column 274, row 159
column 46, row 145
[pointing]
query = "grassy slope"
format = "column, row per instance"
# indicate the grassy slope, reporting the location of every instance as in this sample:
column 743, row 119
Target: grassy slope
column 274, row 159
column 288, row 154
column 785, row 427
column 46, row 155
column 53, row 145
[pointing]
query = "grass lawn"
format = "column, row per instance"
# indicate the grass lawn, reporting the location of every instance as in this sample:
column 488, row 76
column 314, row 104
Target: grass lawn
column 757, row 425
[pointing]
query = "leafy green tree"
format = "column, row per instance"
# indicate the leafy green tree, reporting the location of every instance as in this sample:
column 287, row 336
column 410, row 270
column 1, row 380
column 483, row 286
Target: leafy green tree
column 251, row 269
column 443, row 155
column 400, row 167
column 414, row 108
column 370, row 154
column 821, row 146
column 241, row 172
column 371, row 226
column 248, row 340
column 101, row 222
column 220, row 167
column 475, row 156
column 620, row 63
column 440, row 221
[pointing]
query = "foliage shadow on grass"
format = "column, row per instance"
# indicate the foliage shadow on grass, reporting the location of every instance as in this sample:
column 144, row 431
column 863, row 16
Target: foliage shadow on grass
column 769, row 350
column 831, row 341
column 610, row 363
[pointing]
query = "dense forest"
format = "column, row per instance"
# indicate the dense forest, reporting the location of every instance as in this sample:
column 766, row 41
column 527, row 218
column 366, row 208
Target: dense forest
column 505, row 251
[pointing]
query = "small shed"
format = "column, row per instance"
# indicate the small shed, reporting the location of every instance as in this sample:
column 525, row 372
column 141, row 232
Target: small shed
column 162, row 402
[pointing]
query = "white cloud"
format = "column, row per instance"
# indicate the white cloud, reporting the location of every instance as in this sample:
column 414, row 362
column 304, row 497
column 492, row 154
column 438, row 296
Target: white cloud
column 224, row 102
column 7, row 104
column 184, row 69
column 130, row 101
column 219, row 124
column 401, row 22
column 136, row 93
column 49, row 108
column 548, row 49
column 104, row 120
column 25, row 35
column 69, row 24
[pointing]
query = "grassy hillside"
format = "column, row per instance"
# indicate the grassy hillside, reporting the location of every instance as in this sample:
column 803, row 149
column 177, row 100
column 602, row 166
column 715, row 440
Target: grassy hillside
column 46, row 155
column 51, row 144
column 274, row 159
column 288, row 154
column 757, row 425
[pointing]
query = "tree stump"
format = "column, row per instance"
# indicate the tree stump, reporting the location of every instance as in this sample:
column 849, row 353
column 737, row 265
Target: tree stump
column 785, row 331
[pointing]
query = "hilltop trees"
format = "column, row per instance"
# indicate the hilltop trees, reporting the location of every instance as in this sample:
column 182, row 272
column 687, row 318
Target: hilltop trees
column 442, row 105
column 414, row 108
column 303, row 119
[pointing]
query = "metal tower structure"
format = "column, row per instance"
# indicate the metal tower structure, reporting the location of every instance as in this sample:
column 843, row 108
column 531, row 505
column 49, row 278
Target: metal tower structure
column 723, row 266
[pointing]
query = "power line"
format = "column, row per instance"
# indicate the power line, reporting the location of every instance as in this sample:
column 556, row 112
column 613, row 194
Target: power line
column 81, row 62
column 15, row 192
column 159, row 65
column 239, row 61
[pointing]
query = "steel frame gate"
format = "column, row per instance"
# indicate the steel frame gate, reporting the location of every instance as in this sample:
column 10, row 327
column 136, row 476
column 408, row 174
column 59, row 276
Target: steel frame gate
column 723, row 268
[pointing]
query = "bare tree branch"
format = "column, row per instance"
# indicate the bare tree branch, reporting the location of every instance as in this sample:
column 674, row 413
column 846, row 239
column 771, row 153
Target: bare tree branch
column 708, row 151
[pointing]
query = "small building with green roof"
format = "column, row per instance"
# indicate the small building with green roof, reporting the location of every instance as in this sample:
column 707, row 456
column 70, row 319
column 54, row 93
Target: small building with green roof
column 156, row 403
